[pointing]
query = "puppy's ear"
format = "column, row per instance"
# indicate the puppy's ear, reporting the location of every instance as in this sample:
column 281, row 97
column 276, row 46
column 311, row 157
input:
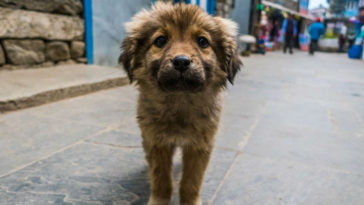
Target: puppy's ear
column 229, row 57
column 234, row 67
column 137, row 31
column 127, row 57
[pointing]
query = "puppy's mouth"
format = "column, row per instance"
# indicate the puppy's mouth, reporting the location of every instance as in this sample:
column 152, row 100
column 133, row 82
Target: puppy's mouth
column 172, row 80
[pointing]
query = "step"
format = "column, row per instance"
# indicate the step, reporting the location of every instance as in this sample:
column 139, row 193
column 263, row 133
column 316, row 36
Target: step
column 31, row 87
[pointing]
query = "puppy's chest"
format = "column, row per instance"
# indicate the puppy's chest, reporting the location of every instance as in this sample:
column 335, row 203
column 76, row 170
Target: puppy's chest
column 180, row 113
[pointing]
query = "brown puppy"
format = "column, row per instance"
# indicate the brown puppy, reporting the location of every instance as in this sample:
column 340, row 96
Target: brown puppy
column 180, row 58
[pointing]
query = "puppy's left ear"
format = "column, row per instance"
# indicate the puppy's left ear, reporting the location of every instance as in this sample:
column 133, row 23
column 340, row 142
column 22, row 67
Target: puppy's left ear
column 229, row 57
column 127, row 56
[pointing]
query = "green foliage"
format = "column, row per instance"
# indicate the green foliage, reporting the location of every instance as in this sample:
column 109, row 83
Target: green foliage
column 331, row 35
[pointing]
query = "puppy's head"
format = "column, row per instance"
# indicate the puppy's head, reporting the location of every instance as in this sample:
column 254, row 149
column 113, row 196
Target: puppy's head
column 180, row 48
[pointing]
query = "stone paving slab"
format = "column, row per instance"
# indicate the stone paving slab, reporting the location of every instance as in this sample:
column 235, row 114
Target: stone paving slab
column 84, row 173
column 25, row 141
column 106, row 108
column 259, row 180
column 27, row 88
column 29, row 135
column 117, row 138
column 307, row 145
column 291, row 133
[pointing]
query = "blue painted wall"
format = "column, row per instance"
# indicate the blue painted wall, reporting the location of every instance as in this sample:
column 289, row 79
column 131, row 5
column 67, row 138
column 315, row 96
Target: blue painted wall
column 240, row 14
column 108, row 27
column 88, row 30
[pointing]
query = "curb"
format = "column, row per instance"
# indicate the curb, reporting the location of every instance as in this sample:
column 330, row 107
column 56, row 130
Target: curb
column 60, row 94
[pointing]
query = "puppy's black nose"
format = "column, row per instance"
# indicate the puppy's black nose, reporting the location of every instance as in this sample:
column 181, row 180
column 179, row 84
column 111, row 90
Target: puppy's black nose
column 181, row 63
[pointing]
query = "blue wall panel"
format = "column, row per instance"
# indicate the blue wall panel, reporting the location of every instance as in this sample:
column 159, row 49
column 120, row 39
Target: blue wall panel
column 89, row 31
column 109, row 18
column 240, row 15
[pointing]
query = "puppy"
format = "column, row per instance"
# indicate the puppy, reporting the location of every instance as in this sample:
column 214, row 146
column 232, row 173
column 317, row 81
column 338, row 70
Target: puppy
column 181, row 59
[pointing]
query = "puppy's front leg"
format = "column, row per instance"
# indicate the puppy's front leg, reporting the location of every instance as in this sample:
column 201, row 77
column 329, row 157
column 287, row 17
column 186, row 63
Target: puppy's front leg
column 159, row 159
column 195, row 162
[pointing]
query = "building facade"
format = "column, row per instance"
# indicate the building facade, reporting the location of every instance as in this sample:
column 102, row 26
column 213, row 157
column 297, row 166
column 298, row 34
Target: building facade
column 351, row 8
column 319, row 12
column 303, row 6
column 290, row 4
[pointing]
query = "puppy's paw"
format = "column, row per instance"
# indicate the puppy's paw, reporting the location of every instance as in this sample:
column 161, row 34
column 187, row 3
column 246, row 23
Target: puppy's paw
column 155, row 201
column 195, row 202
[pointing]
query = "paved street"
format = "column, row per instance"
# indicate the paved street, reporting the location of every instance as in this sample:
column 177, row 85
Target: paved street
column 292, row 133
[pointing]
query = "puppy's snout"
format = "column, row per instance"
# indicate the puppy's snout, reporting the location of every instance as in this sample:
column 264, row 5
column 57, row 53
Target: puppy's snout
column 181, row 63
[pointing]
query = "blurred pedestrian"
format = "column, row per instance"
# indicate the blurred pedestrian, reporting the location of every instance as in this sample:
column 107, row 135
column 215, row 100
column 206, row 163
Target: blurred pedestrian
column 341, row 42
column 274, row 31
column 316, row 30
column 351, row 39
column 289, row 30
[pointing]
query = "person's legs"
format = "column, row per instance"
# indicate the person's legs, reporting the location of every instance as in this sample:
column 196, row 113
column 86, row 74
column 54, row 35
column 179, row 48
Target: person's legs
column 315, row 43
column 313, row 46
column 351, row 42
column 341, row 48
column 290, row 44
column 288, row 40
column 285, row 45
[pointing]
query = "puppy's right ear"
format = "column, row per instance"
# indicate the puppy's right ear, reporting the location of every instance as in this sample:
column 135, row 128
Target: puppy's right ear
column 230, row 60
column 138, row 30
column 127, row 57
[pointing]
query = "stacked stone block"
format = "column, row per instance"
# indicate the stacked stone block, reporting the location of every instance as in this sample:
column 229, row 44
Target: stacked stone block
column 41, row 33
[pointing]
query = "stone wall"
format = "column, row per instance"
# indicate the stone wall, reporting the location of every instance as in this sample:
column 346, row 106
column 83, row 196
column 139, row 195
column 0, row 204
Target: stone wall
column 38, row 33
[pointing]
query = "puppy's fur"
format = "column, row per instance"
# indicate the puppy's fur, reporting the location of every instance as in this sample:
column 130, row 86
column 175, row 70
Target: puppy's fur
column 179, row 109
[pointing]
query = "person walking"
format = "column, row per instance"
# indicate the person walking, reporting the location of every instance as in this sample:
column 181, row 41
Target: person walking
column 316, row 30
column 341, row 42
column 274, row 31
column 351, row 39
column 289, row 30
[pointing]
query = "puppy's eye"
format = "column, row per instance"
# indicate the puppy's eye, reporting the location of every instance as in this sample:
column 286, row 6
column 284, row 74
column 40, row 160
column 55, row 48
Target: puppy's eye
column 160, row 41
column 202, row 42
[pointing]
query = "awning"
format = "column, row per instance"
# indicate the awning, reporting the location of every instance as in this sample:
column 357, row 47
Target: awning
column 282, row 8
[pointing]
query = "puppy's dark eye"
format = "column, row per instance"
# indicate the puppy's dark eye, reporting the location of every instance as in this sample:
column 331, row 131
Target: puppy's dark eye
column 202, row 42
column 160, row 41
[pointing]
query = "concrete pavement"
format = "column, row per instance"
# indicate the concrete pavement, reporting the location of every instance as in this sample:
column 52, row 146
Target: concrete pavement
column 292, row 133
column 31, row 87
